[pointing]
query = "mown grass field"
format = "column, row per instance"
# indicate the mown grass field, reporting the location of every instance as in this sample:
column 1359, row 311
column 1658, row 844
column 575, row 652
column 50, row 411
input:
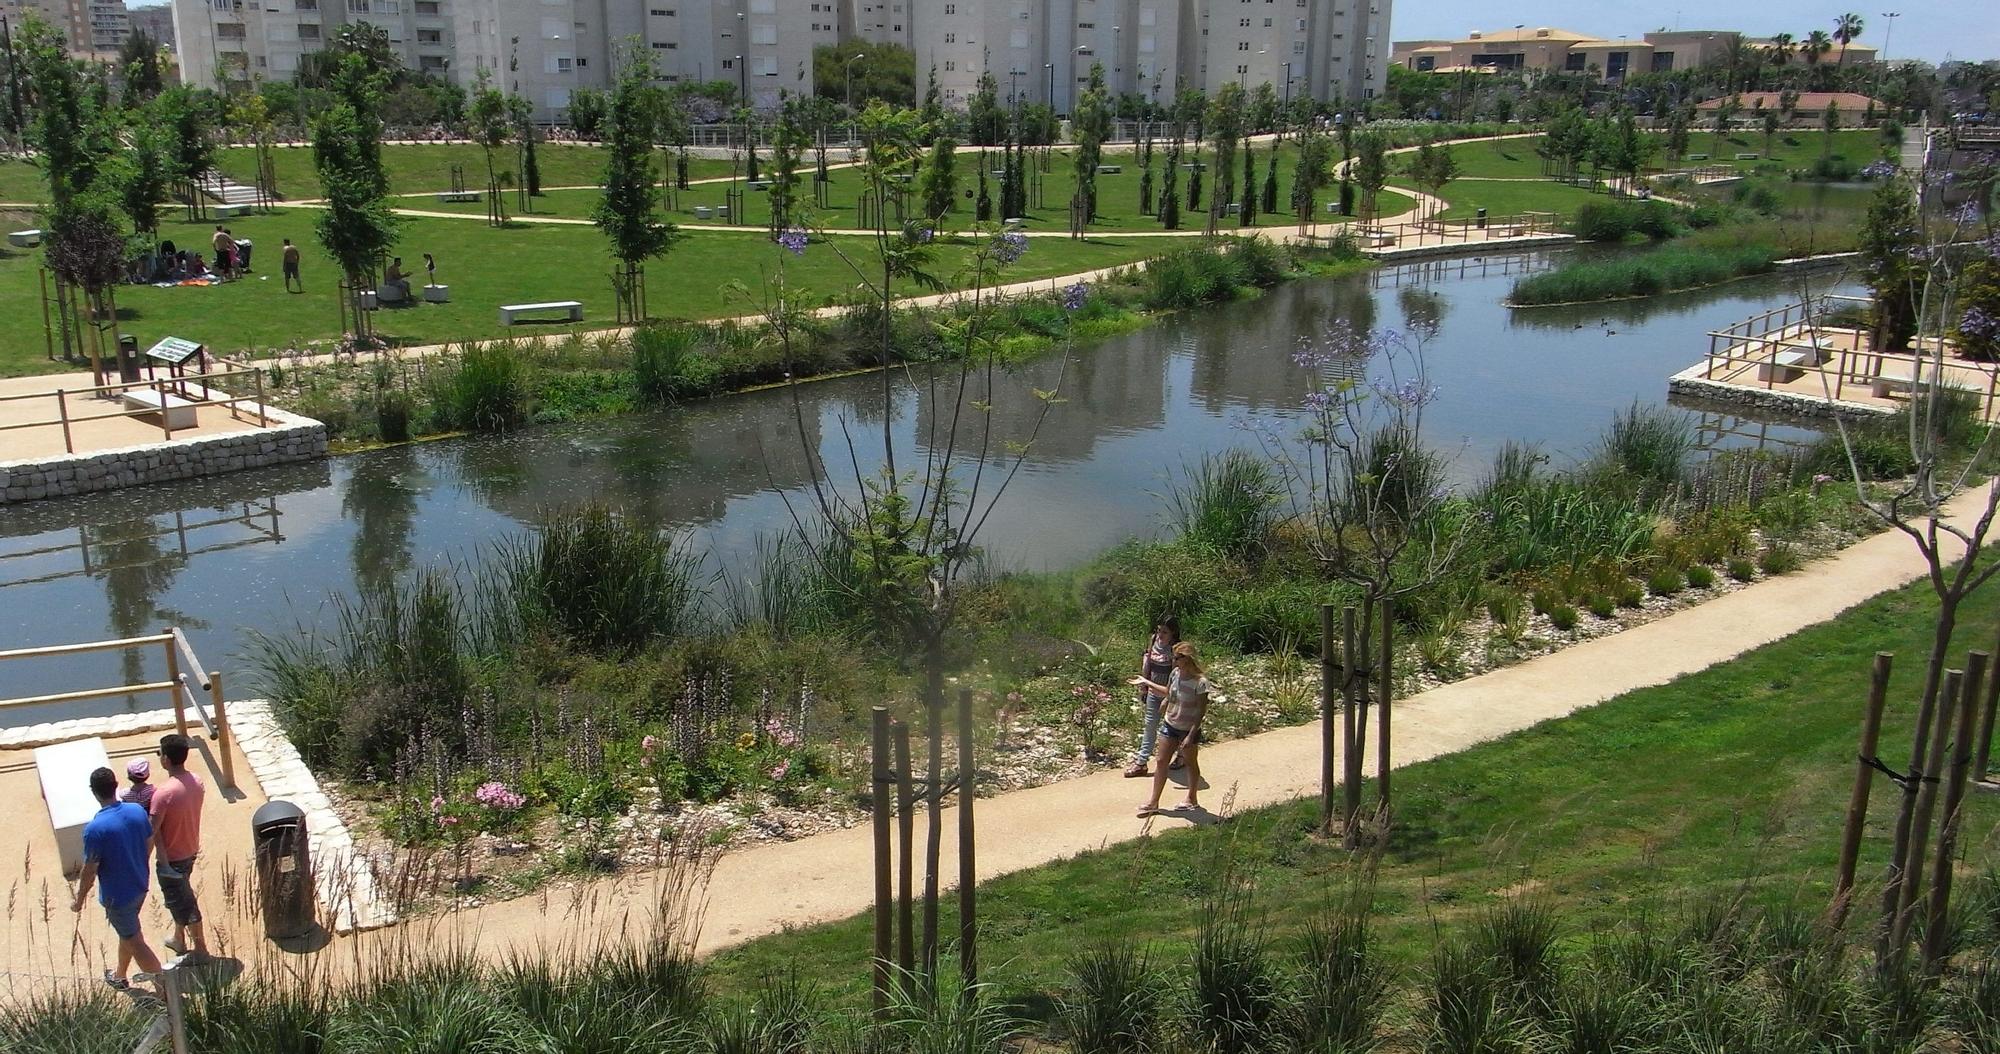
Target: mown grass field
column 1792, row 148
column 485, row 267
column 1737, row 776
column 1465, row 197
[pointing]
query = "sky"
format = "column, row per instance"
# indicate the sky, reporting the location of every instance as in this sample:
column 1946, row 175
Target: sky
column 1933, row 30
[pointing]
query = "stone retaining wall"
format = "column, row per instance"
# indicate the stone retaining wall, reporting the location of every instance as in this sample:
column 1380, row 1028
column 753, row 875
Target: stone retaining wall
column 1761, row 401
column 290, row 438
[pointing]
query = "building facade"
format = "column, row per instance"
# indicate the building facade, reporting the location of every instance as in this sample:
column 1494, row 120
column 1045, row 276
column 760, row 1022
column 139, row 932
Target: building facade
column 1547, row 50
column 156, row 22
column 223, row 42
column 91, row 29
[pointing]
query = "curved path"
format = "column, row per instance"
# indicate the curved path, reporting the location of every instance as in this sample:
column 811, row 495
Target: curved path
column 769, row 889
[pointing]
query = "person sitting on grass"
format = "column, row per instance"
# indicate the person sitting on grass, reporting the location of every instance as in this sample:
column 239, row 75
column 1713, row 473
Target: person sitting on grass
column 117, row 847
column 1186, row 693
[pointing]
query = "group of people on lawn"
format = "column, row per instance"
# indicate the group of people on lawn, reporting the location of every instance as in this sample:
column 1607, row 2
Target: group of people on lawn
column 144, row 833
column 1173, row 695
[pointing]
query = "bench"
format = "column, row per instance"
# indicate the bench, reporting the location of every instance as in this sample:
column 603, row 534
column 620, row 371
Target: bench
column 227, row 212
column 25, row 239
column 1110, row 170
column 760, row 184
column 1013, row 223
column 1746, row 157
column 571, row 308
column 1372, row 238
column 703, row 212
column 65, row 770
column 180, row 413
column 1696, row 157
column 1885, row 384
column 457, row 196
column 1787, row 366
column 437, row 294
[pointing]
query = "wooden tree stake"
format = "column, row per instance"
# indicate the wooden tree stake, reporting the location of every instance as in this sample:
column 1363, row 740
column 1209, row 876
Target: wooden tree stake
column 1352, row 683
column 1937, row 928
column 906, row 829
column 968, row 877
column 878, row 765
column 1920, row 827
column 1864, row 781
column 1385, row 682
column 1327, row 668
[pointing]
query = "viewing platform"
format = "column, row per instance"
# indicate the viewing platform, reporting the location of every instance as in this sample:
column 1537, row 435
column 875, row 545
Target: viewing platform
column 1815, row 358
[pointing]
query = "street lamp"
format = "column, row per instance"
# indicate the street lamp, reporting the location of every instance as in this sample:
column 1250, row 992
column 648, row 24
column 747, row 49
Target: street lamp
column 850, row 79
column 742, row 81
column 1051, row 67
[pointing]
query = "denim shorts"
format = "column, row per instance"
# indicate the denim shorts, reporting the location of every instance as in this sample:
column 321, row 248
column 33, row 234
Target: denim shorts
column 124, row 918
column 1179, row 734
column 177, row 889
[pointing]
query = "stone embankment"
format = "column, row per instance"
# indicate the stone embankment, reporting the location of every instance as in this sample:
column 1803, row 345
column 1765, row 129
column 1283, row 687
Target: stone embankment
column 290, row 438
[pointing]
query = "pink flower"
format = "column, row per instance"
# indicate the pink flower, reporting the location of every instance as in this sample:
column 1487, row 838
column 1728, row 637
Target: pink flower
column 648, row 745
column 778, row 771
column 448, row 820
column 496, row 795
column 437, row 804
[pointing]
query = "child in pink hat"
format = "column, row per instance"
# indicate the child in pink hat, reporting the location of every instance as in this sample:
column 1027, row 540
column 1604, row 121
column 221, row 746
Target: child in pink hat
column 138, row 770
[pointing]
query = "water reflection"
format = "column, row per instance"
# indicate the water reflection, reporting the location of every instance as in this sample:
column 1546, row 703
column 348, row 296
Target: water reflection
column 1134, row 409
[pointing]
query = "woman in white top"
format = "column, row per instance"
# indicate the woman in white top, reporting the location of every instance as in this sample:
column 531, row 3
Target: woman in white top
column 1186, row 693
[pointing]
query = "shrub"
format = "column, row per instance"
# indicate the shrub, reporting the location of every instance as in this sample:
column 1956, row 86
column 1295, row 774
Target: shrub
column 1657, row 271
column 1234, row 998
column 392, row 417
column 1192, row 277
column 1563, row 617
column 1503, row 604
column 1342, row 984
column 1631, row 595
column 1603, row 606
column 1650, row 444
column 602, row 580
column 1543, row 601
column 1261, row 263
column 1780, row 558
column 1611, row 221
column 489, row 393
column 1665, row 582
column 1112, row 1005
column 1742, row 570
column 1463, row 1009
column 1225, row 504
column 668, row 363
column 1700, row 577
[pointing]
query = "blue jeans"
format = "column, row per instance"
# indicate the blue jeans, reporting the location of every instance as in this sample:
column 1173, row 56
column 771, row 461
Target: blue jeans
column 1151, row 704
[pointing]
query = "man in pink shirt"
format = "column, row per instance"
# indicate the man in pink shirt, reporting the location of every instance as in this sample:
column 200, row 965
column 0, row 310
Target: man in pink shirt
column 176, row 812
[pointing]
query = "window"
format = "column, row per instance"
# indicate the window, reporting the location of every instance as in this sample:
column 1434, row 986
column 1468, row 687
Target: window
column 431, row 63
column 1241, row 70
column 556, row 63
column 1267, row 23
column 552, row 28
column 308, row 31
column 1243, row 23
column 1573, row 63
column 662, row 45
column 305, row 5
column 1147, row 17
column 951, row 9
column 1243, row 45
column 261, row 63
column 1302, row 25
column 427, row 8
column 659, row 12
column 357, row 7
column 764, row 34
column 950, row 66
column 1298, row 47
column 1086, row 25
column 767, row 66
column 430, row 36
column 729, row 64
column 229, row 30
column 763, row 7
column 951, row 38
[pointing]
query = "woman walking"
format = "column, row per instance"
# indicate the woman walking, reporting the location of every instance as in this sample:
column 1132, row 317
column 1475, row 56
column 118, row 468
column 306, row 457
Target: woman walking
column 1186, row 693
column 1156, row 665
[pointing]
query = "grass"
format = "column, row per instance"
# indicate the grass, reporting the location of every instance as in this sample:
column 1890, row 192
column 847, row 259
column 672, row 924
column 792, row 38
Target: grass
column 485, row 267
column 1793, row 148
column 1465, row 197
column 1655, row 799
column 1660, row 270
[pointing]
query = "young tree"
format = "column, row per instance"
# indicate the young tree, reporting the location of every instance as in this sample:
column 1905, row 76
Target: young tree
column 1146, row 172
column 1225, row 128
column 1677, row 132
column 189, row 146
column 524, row 131
column 1725, row 112
column 1371, row 170
column 1247, row 215
column 938, row 183
column 986, row 121
column 626, row 214
column 1770, row 123
column 788, row 145
column 1312, row 173
column 932, row 111
column 586, row 112
column 1829, row 123
column 145, row 178
column 490, row 128
column 1271, row 181
column 1433, row 167
column 983, row 206
column 1170, row 199
column 1628, row 151
column 1891, row 238
column 356, row 227
column 139, row 66
column 1090, row 126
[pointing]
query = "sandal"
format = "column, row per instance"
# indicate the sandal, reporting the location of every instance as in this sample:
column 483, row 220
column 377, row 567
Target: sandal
column 1179, row 764
column 1146, row 811
column 1137, row 770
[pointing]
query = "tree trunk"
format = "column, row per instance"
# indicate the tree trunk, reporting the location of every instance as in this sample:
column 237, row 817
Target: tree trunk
column 1893, row 882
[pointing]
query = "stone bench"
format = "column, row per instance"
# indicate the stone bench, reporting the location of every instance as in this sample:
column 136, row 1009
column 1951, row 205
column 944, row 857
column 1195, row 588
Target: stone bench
column 760, row 185
column 180, row 413
column 1787, row 366
column 24, row 239
column 230, row 212
column 437, row 294
column 1110, row 170
column 1372, row 238
column 1891, row 382
column 1013, row 223
column 1746, row 157
column 457, row 196
column 1696, row 157
column 64, row 769
column 572, row 308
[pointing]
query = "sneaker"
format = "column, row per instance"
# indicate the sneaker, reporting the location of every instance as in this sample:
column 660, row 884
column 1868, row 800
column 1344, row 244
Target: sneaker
column 177, row 947
column 117, row 983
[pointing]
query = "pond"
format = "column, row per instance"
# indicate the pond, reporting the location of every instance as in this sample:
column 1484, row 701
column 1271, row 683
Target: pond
column 265, row 549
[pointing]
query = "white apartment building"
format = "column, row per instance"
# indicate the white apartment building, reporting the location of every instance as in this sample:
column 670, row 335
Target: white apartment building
column 91, row 29
column 238, row 41
column 1044, row 49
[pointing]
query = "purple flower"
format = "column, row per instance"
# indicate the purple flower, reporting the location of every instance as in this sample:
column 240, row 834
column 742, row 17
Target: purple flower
column 1075, row 296
column 1319, row 402
column 1412, row 394
column 1879, row 170
column 1978, row 324
column 1010, row 246
column 794, row 240
column 919, row 235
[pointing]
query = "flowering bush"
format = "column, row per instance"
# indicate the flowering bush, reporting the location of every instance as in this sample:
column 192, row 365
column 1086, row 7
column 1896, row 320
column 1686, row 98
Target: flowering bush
column 1979, row 323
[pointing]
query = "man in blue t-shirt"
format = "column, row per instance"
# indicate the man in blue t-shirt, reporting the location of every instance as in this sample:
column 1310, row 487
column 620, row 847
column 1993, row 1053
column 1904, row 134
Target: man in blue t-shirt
column 117, row 847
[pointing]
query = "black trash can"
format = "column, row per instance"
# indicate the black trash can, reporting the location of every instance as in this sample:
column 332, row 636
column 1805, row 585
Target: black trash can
column 128, row 358
column 284, row 869
column 1481, row 219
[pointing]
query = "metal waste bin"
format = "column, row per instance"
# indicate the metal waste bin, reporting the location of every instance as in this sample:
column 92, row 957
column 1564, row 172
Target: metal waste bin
column 1481, row 219
column 284, row 869
column 128, row 358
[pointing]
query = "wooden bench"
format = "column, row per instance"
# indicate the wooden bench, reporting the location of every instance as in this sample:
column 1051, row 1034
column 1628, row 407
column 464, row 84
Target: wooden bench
column 457, row 196
column 65, row 769
column 180, row 413
column 228, row 212
column 24, row 239
column 572, row 308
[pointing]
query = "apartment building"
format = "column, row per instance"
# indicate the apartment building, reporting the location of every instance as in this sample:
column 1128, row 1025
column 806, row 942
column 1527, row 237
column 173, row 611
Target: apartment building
column 1548, row 50
column 91, row 29
column 1043, row 50
column 156, row 22
column 239, row 41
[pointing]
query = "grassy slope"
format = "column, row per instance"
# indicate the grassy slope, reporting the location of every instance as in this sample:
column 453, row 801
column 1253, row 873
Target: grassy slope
column 1505, row 197
column 485, row 268
column 1667, row 793
column 1795, row 148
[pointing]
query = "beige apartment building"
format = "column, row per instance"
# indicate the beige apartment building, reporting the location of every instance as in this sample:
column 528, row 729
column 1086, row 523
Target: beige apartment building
column 1546, row 50
column 91, row 29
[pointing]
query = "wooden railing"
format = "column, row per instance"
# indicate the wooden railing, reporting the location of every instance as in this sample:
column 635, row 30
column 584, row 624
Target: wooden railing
column 168, row 395
column 1423, row 232
column 179, row 685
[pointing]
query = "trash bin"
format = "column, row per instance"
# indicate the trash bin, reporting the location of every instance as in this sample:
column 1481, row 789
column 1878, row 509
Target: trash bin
column 284, row 869
column 1481, row 219
column 128, row 358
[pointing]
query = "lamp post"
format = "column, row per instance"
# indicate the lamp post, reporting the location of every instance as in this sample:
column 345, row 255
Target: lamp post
column 850, row 79
column 742, row 81
column 1051, row 67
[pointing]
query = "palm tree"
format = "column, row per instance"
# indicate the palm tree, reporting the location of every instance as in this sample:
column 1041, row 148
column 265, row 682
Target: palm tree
column 1845, row 29
column 1816, row 46
column 1783, row 45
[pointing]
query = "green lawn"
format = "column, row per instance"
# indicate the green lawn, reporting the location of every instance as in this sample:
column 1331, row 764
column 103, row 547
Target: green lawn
column 1793, row 148
column 1661, row 796
column 1499, row 159
column 485, row 267
column 1508, row 197
column 427, row 167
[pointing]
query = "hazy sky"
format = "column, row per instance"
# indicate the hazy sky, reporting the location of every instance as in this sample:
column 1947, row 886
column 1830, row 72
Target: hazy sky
column 1928, row 29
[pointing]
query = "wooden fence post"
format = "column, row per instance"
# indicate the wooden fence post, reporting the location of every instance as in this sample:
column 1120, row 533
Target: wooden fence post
column 170, row 991
column 878, row 767
column 1351, row 687
column 222, row 737
column 1864, row 780
column 906, row 827
column 1920, row 826
column 968, row 878
column 1385, row 681
column 1983, row 744
column 174, row 678
column 1936, row 927
column 1326, row 717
